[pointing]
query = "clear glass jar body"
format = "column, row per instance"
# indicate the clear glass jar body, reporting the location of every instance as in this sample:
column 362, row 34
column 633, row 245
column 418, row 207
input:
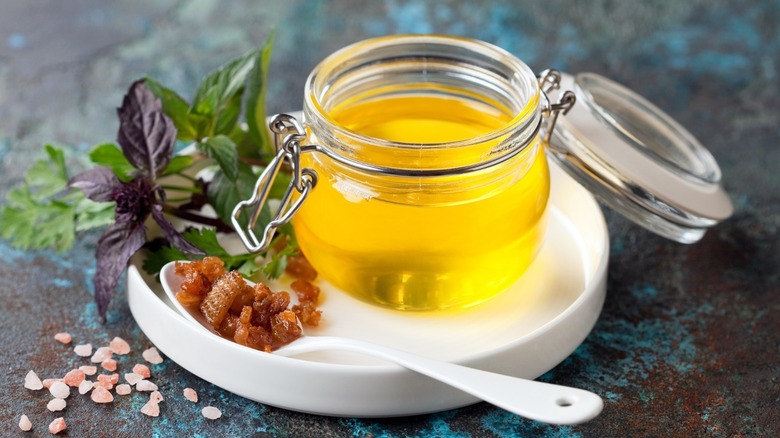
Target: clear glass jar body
column 432, row 179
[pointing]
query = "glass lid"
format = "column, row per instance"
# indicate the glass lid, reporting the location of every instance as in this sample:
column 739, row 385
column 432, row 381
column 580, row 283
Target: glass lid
column 637, row 159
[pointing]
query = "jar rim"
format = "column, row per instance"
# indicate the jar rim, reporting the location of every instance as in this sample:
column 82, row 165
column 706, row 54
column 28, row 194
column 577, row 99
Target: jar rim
column 526, row 120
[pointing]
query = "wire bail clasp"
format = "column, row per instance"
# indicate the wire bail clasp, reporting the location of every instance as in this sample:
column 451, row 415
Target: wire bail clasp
column 288, row 135
column 550, row 80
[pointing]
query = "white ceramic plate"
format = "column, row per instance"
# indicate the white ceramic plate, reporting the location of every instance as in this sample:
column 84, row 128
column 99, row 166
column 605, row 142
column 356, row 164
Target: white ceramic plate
column 523, row 332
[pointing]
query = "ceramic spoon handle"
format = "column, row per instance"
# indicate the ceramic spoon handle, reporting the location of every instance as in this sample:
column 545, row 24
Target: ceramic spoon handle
column 531, row 399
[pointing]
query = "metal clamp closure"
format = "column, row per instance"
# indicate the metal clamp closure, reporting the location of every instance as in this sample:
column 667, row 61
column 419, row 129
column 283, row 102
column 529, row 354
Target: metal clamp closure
column 550, row 80
column 288, row 135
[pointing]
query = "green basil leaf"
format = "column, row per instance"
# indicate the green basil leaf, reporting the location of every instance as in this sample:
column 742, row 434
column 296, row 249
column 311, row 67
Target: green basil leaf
column 219, row 95
column 223, row 150
column 175, row 107
column 109, row 155
column 177, row 164
column 224, row 193
column 255, row 104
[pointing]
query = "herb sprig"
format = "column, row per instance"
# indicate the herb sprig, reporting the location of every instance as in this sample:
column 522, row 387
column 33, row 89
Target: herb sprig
column 141, row 177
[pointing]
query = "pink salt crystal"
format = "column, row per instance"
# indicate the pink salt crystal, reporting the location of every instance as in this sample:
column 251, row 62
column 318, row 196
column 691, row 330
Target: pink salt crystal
column 63, row 337
column 56, row 404
column 48, row 382
column 119, row 346
column 59, row 390
column 151, row 355
column 85, row 387
column 151, row 408
column 102, row 354
column 112, row 378
column 74, row 378
column 83, row 350
column 101, row 395
column 109, row 365
column 156, row 396
column 211, row 412
column 145, row 385
column 106, row 381
column 89, row 370
column 57, row 426
column 32, row 381
column 191, row 395
column 25, row 424
column 123, row 389
column 142, row 370
column 133, row 378
column 105, row 385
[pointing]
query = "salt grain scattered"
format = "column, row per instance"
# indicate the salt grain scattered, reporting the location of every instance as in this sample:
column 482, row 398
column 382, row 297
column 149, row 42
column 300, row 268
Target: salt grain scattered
column 83, row 350
column 63, row 337
column 123, row 389
column 109, row 365
column 156, row 396
column 211, row 412
column 145, row 385
column 89, row 370
column 133, row 378
column 112, row 378
column 56, row 404
column 57, row 426
column 119, row 346
column 152, row 356
column 59, row 390
column 85, row 387
column 106, row 381
column 151, row 408
column 74, row 378
column 32, row 381
column 191, row 395
column 25, row 424
column 48, row 382
column 102, row 354
column 142, row 370
column 101, row 395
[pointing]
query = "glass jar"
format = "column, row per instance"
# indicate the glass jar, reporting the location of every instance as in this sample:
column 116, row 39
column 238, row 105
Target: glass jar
column 431, row 177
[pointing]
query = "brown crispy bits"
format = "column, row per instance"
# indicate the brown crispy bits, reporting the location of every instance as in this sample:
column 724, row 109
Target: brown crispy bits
column 308, row 295
column 252, row 316
column 269, row 306
column 198, row 277
column 299, row 267
column 219, row 299
column 284, row 328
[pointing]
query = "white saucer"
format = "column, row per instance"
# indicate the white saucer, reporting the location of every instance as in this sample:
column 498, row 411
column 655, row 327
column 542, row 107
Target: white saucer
column 523, row 332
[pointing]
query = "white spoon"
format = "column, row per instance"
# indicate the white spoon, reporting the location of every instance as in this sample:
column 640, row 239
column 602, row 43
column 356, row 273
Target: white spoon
column 538, row 401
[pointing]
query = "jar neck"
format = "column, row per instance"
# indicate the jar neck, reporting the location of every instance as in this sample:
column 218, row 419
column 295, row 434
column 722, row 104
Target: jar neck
column 453, row 77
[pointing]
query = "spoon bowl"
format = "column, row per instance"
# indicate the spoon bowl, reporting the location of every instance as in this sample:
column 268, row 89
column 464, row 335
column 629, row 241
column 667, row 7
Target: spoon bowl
column 540, row 401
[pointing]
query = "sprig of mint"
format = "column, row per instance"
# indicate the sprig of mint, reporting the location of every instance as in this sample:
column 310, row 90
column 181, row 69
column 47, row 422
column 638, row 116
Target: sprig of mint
column 127, row 186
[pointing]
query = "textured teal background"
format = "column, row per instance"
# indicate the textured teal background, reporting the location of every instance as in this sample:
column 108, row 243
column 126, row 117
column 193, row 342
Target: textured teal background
column 689, row 340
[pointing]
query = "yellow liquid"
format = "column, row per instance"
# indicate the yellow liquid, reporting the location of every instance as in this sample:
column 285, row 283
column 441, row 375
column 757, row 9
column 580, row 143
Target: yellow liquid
column 417, row 243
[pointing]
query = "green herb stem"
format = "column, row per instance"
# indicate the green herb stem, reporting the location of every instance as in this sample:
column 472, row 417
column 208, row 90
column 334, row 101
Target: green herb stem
column 182, row 189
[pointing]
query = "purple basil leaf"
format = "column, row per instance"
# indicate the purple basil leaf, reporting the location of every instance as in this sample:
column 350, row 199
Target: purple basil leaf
column 146, row 134
column 174, row 236
column 98, row 184
column 117, row 244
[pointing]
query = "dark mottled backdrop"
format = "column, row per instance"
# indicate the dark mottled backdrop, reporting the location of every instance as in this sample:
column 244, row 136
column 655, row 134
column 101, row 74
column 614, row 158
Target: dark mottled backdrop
column 689, row 340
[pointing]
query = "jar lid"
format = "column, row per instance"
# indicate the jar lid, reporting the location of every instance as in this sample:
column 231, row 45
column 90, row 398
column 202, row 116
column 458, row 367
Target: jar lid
column 638, row 160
